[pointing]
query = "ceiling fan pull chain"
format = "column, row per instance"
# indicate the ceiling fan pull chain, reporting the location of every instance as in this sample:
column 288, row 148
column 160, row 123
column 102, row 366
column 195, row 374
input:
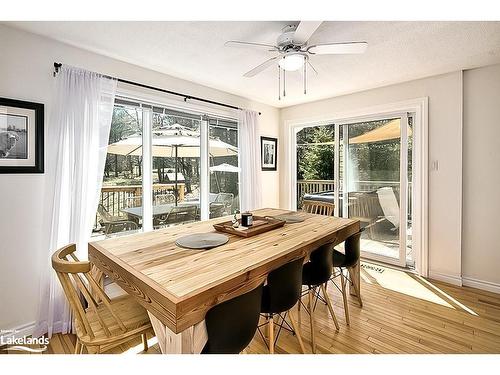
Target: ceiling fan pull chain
column 305, row 82
column 284, row 83
column 279, row 83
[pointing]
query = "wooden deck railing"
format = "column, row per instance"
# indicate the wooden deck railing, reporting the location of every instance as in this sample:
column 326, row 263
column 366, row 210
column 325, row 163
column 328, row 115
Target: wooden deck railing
column 313, row 186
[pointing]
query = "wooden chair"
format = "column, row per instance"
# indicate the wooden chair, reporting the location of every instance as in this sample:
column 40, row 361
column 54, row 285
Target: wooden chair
column 318, row 208
column 105, row 323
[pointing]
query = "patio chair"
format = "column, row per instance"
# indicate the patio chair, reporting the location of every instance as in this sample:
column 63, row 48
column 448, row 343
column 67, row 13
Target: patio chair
column 120, row 227
column 217, row 209
column 390, row 205
column 177, row 215
column 227, row 199
column 106, row 219
column 164, row 199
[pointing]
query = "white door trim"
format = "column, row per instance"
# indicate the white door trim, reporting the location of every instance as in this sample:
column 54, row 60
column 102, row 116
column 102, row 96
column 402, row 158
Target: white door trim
column 419, row 106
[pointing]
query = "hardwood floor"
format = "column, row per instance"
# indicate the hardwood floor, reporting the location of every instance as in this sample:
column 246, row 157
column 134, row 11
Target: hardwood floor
column 402, row 313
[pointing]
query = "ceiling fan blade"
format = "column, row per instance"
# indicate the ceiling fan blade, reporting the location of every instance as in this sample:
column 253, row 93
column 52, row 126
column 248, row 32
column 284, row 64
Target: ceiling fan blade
column 238, row 44
column 259, row 68
column 338, row 48
column 304, row 31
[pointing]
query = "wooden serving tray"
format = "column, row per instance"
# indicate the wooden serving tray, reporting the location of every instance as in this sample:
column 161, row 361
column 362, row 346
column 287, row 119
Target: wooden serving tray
column 260, row 225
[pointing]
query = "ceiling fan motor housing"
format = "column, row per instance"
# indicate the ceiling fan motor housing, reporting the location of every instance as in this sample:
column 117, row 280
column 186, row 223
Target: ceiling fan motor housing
column 285, row 40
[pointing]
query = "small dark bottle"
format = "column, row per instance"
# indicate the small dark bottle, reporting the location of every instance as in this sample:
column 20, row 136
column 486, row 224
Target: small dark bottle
column 246, row 219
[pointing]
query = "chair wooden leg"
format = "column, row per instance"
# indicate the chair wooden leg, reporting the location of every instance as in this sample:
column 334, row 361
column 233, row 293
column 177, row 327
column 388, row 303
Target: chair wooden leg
column 311, row 319
column 330, row 307
column 82, row 347
column 144, row 342
column 344, row 297
column 297, row 331
column 271, row 334
column 77, row 346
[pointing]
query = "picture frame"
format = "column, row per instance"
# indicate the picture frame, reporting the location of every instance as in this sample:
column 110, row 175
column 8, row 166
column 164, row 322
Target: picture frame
column 269, row 153
column 21, row 136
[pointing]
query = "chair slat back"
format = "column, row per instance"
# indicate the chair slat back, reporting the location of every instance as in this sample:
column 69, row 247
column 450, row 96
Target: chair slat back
column 318, row 208
column 79, row 285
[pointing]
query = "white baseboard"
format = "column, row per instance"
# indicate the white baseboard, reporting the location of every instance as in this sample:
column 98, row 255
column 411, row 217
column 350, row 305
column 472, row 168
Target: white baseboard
column 481, row 284
column 446, row 278
column 20, row 331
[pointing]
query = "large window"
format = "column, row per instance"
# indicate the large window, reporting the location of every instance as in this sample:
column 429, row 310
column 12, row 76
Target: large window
column 158, row 158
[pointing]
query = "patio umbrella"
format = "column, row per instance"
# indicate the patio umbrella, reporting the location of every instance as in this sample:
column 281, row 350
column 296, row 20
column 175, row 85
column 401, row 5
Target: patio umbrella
column 224, row 168
column 164, row 146
column 389, row 131
column 174, row 141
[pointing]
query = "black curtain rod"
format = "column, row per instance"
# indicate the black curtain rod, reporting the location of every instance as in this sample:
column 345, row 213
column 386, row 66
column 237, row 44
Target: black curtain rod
column 186, row 97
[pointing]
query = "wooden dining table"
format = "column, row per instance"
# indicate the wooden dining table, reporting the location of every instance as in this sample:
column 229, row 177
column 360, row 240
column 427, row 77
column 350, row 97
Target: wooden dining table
column 177, row 286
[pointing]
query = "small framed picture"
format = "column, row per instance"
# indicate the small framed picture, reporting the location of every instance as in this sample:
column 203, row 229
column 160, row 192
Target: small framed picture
column 21, row 136
column 269, row 153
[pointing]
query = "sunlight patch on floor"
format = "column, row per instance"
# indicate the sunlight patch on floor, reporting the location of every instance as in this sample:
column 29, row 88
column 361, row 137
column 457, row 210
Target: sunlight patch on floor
column 139, row 348
column 453, row 300
column 401, row 282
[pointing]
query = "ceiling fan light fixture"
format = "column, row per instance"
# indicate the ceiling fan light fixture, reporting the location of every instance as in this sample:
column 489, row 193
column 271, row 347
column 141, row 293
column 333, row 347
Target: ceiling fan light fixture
column 292, row 62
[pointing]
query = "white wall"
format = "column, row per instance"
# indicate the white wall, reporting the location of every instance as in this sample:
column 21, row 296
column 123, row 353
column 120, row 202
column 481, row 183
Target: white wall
column 481, row 169
column 26, row 73
column 445, row 146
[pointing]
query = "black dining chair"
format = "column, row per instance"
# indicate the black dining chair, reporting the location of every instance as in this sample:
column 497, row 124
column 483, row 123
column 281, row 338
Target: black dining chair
column 316, row 273
column 231, row 325
column 279, row 295
column 345, row 262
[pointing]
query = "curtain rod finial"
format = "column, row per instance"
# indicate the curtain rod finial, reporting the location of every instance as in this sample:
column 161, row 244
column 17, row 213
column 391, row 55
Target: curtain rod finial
column 57, row 66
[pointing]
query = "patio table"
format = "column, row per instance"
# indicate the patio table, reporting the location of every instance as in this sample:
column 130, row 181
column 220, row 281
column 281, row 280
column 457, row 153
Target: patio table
column 135, row 213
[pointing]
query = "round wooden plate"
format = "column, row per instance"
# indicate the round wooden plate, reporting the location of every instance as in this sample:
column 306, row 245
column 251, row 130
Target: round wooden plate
column 202, row 240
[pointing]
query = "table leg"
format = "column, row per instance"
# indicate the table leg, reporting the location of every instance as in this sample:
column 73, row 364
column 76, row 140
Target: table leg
column 190, row 341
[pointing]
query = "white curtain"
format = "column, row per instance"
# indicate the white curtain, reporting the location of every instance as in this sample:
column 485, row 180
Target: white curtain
column 77, row 137
column 249, row 160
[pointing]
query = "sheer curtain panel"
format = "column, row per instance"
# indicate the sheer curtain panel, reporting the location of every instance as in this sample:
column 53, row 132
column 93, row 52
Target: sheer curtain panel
column 78, row 134
column 248, row 142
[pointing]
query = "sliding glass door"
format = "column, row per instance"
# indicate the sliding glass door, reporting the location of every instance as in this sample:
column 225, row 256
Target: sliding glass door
column 364, row 167
column 373, row 177
column 166, row 167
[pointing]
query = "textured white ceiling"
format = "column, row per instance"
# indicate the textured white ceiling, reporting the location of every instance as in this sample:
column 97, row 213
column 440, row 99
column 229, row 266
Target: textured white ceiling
column 397, row 52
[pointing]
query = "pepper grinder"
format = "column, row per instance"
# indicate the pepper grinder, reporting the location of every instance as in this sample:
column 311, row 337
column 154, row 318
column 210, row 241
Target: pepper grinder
column 235, row 220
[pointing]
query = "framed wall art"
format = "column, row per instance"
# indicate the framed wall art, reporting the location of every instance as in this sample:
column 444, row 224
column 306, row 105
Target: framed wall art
column 269, row 153
column 21, row 136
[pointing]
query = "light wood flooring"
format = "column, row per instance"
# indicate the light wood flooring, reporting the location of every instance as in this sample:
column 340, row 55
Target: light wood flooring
column 402, row 313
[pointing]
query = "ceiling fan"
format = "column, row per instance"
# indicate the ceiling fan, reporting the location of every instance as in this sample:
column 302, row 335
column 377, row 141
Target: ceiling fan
column 293, row 52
